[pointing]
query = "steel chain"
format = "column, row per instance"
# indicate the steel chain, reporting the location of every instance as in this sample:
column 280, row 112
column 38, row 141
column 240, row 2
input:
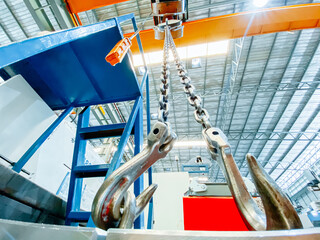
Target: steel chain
column 163, row 111
column 201, row 115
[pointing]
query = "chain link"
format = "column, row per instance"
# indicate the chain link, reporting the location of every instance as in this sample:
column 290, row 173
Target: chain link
column 200, row 114
column 163, row 111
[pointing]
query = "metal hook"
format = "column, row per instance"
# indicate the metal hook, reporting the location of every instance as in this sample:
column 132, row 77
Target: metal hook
column 112, row 196
column 280, row 214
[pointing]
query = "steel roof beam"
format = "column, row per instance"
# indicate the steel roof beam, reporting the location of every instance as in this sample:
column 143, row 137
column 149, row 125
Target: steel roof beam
column 273, row 136
column 283, row 156
column 16, row 19
column 297, row 157
column 217, row 4
column 241, row 80
column 6, row 33
column 295, row 87
column 265, row 135
column 289, row 127
column 39, row 15
column 255, row 95
column 269, row 88
column 137, row 2
column 227, row 97
column 220, row 90
column 34, row 15
column 117, row 12
column 61, row 16
column 225, row 91
column 233, row 72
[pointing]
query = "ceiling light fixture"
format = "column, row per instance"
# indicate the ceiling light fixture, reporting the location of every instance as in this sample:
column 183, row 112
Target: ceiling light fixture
column 196, row 62
column 260, row 3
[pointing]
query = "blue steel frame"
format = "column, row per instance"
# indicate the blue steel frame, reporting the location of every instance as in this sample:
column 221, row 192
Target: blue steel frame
column 184, row 168
column 139, row 183
column 135, row 120
column 79, row 171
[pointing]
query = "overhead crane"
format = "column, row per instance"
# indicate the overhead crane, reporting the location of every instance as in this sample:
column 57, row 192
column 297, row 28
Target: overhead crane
column 231, row 26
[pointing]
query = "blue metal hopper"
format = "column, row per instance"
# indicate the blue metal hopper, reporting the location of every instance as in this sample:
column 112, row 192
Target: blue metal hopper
column 68, row 68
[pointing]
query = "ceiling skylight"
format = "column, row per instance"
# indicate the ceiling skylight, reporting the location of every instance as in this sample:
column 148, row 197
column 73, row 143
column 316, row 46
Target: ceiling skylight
column 194, row 51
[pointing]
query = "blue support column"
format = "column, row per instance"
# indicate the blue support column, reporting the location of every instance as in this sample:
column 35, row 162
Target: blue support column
column 146, row 81
column 75, row 187
column 116, row 160
column 148, row 105
column 25, row 158
column 150, row 211
column 136, row 119
column 138, row 142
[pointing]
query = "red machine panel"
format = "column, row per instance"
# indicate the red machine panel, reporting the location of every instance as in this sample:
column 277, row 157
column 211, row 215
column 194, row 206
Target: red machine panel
column 212, row 214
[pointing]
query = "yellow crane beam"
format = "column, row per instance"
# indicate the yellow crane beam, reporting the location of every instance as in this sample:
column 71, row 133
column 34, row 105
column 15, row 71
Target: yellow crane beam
column 271, row 20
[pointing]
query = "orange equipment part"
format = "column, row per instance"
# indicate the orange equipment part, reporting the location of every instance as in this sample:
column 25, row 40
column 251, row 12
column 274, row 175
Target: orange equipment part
column 118, row 52
column 76, row 6
column 279, row 19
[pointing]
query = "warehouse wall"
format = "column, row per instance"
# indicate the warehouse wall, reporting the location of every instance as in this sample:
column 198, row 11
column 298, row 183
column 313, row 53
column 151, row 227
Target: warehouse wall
column 27, row 116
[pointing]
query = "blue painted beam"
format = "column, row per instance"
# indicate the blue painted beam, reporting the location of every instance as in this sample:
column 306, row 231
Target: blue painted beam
column 28, row 154
column 78, row 216
column 125, row 17
column 75, row 186
column 104, row 131
column 148, row 106
column 138, row 142
column 117, row 157
column 102, row 128
column 150, row 211
column 145, row 81
column 62, row 183
column 87, row 171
